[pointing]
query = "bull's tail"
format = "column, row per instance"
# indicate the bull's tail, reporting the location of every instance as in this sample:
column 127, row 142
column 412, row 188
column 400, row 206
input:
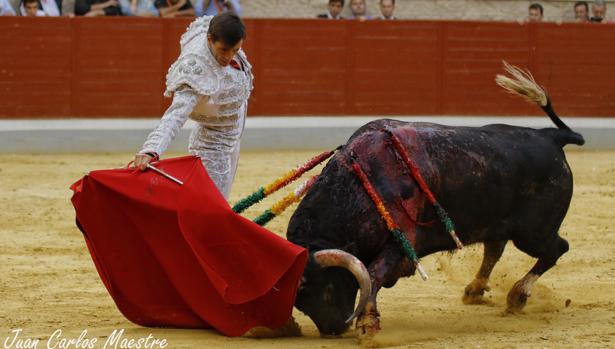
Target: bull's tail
column 522, row 84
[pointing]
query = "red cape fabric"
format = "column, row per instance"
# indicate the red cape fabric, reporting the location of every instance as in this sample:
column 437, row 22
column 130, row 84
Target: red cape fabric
column 176, row 255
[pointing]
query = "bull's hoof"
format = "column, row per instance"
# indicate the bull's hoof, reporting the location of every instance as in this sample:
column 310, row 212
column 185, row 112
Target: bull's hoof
column 291, row 329
column 370, row 331
column 516, row 301
column 474, row 292
column 368, row 325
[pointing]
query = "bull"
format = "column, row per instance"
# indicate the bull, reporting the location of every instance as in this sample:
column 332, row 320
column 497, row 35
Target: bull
column 499, row 183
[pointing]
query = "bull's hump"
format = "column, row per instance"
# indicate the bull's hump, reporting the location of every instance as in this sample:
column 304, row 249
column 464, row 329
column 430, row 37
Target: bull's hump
column 381, row 125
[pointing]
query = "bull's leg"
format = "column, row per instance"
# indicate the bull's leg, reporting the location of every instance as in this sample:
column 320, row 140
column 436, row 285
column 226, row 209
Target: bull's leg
column 517, row 297
column 383, row 271
column 368, row 323
column 474, row 292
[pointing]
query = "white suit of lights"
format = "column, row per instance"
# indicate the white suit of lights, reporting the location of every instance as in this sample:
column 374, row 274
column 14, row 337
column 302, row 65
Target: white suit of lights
column 214, row 96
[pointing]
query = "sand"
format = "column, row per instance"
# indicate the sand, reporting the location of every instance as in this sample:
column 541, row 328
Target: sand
column 48, row 281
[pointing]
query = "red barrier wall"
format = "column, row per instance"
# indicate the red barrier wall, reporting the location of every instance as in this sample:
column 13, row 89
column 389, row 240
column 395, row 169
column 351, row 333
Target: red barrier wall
column 116, row 67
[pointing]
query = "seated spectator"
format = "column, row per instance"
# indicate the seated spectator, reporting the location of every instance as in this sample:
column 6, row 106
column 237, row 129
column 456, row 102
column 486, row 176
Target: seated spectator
column 31, row 8
column 335, row 10
column 535, row 13
column 213, row 7
column 141, row 8
column 359, row 10
column 92, row 8
column 581, row 12
column 49, row 8
column 387, row 7
column 68, row 8
column 599, row 12
column 174, row 8
column 6, row 9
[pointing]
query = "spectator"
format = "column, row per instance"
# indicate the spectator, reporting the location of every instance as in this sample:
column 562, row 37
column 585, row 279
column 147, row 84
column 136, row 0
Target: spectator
column 335, row 10
column 141, row 8
column 175, row 8
column 92, row 8
column 68, row 8
column 535, row 13
column 31, row 8
column 599, row 12
column 359, row 10
column 49, row 8
column 581, row 12
column 6, row 9
column 387, row 7
column 213, row 7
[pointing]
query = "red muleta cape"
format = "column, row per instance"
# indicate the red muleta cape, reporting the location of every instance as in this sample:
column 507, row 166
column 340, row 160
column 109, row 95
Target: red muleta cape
column 176, row 255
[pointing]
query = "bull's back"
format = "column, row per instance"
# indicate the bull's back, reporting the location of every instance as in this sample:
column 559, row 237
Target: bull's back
column 493, row 179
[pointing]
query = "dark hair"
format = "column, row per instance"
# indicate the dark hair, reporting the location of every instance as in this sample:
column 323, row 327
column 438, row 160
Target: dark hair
column 582, row 3
column 31, row 1
column 537, row 7
column 228, row 28
column 393, row 1
column 334, row 1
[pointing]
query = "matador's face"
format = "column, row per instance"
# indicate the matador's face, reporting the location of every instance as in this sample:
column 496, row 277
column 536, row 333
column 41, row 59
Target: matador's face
column 223, row 52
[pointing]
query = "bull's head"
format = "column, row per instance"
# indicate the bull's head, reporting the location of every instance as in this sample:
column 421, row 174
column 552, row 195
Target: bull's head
column 328, row 290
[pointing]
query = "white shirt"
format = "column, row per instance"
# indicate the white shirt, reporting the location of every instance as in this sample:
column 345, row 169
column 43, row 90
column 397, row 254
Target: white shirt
column 6, row 8
column 50, row 8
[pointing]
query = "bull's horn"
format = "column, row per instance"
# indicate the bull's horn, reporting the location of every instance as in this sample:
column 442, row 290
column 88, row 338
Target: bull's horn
column 339, row 258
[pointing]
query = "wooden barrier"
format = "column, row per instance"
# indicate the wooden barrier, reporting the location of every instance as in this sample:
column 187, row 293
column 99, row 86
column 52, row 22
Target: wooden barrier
column 116, row 67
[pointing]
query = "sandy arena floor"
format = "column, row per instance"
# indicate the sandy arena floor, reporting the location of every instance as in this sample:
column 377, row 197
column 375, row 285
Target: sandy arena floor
column 48, row 281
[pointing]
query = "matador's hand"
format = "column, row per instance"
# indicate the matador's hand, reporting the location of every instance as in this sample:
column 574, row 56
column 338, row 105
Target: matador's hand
column 141, row 160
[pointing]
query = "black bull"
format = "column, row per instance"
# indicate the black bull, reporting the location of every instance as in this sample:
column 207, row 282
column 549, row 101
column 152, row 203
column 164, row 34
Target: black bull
column 497, row 182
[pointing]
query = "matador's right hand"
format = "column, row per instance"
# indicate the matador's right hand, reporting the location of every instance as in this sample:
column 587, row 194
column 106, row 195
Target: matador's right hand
column 142, row 159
